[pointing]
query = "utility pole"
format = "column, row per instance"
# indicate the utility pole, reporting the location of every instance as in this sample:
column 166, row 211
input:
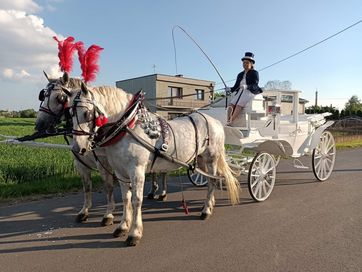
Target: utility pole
column 316, row 100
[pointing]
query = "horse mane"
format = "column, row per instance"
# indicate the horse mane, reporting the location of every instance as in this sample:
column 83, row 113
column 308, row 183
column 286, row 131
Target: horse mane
column 113, row 99
column 74, row 83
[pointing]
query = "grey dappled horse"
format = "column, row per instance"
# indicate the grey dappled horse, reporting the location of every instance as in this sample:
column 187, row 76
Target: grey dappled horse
column 131, row 160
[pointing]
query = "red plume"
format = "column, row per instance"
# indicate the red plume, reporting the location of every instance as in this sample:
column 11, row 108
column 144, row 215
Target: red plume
column 89, row 60
column 66, row 49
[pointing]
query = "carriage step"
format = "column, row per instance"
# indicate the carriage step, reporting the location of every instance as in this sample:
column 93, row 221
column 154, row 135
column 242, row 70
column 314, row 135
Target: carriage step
column 298, row 164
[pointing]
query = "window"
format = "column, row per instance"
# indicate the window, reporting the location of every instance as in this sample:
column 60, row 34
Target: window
column 175, row 92
column 287, row 98
column 200, row 94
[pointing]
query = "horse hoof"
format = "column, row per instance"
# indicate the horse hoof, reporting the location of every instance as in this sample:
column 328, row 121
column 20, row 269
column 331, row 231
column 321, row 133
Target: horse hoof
column 204, row 216
column 162, row 198
column 119, row 232
column 132, row 241
column 151, row 196
column 81, row 217
column 107, row 221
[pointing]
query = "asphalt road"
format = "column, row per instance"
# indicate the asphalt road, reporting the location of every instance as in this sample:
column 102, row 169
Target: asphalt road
column 305, row 225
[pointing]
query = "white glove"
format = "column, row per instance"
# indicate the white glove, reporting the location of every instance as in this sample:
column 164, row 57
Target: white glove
column 227, row 91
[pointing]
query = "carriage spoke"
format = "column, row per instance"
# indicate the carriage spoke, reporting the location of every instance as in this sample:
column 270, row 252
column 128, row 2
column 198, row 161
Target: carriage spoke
column 257, row 189
column 319, row 169
column 270, row 169
column 318, row 163
column 267, row 183
column 324, row 168
column 329, row 148
column 329, row 141
column 260, row 188
column 264, row 188
column 265, row 164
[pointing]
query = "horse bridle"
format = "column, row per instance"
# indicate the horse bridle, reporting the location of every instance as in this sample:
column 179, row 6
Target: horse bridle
column 82, row 132
column 46, row 93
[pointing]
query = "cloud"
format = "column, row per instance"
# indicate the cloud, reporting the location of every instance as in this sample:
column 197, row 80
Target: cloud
column 10, row 74
column 26, row 47
column 28, row 6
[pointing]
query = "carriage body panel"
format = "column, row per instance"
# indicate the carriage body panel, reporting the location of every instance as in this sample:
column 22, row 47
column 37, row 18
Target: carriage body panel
column 270, row 135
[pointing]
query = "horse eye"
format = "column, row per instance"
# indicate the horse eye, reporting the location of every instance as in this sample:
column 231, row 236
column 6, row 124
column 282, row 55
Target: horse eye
column 88, row 116
column 42, row 95
column 62, row 99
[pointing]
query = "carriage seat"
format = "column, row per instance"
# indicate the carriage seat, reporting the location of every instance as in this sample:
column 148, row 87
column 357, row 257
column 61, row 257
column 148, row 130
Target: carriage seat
column 254, row 109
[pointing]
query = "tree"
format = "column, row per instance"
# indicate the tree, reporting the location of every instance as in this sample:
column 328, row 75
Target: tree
column 29, row 113
column 353, row 105
column 278, row 85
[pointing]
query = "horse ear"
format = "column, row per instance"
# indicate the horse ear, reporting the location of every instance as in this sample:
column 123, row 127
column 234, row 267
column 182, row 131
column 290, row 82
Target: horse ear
column 46, row 75
column 84, row 88
column 65, row 78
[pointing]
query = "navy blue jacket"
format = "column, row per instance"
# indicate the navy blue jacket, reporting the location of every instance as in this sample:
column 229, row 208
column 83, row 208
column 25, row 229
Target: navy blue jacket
column 252, row 81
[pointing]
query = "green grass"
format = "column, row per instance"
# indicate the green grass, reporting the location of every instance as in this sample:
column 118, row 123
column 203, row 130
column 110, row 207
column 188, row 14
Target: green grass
column 46, row 186
column 26, row 171
column 349, row 144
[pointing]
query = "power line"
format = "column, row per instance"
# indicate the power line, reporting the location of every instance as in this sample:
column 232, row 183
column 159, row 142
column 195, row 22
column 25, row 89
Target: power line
column 305, row 49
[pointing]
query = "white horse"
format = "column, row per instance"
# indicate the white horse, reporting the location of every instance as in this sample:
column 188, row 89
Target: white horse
column 54, row 99
column 195, row 136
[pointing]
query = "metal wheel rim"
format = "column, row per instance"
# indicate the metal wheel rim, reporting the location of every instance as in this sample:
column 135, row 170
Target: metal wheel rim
column 262, row 174
column 324, row 156
column 197, row 179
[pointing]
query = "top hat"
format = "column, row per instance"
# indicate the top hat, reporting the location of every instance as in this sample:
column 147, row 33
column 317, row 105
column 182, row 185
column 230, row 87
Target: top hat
column 249, row 56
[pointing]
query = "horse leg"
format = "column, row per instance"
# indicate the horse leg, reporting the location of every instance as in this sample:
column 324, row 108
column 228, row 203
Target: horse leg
column 211, row 186
column 106, row 173
column 163, row 195
column 85, row 174
column 136, row 231
column 154, row 187
column 126, row 219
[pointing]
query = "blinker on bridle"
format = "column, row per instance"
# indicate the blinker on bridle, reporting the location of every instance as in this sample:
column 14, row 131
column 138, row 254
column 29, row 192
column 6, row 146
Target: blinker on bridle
column 46, row 93
column 97, row 113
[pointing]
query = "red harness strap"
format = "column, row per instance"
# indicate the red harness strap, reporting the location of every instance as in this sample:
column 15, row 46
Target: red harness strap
column 131, row 124
column 120, row 135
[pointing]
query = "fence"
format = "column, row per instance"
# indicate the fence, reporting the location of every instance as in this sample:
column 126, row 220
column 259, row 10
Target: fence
column 347, row 129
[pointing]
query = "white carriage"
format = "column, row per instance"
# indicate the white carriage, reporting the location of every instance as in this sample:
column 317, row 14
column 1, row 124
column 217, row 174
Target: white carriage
column 263, row 131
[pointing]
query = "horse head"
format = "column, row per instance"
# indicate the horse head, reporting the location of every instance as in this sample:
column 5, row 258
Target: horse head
column 86, row 113
column 54, row 100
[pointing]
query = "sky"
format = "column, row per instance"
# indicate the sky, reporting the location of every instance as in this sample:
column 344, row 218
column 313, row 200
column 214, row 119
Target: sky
column 137, row 40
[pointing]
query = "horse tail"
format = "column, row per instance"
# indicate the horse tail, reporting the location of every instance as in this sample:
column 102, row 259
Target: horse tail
column 232, row 184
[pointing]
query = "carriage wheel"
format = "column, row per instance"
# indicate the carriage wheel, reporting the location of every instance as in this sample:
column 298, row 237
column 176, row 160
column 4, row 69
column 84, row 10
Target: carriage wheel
column 261, row 179
column 324, row 156
column 277, row 159
column 196, row 178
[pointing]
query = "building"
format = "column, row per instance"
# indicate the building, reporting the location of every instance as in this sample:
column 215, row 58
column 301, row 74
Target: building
column 286, row 105
column 269, row 97
column 170, row 96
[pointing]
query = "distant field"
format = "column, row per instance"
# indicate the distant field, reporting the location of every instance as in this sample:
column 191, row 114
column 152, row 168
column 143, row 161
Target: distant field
column 29, row 170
